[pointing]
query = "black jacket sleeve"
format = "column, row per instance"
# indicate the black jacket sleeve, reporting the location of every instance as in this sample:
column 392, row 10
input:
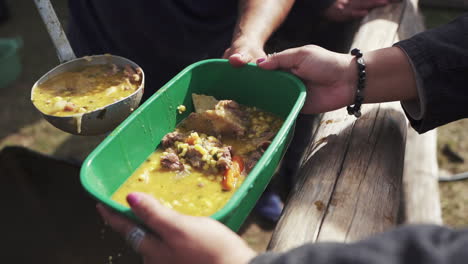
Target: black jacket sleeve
column 405, row 245
column 440, row 61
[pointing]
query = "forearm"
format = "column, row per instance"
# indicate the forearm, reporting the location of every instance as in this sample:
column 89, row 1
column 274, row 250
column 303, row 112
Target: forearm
column 389, row 76
column 258, row 19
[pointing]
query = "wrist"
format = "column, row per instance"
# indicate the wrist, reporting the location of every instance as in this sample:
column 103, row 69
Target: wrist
column 243, row 39
column 351, row 79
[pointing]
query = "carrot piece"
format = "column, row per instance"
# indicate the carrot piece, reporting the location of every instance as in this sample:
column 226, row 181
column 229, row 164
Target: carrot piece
column 190, row 140
column 233, row 173
column 240, row 162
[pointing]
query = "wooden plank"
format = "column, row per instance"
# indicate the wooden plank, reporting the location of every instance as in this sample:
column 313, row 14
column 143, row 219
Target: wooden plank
column 420, row 184
column 367, row 194
column 351, row 170
column 421, row 200
column 378, row 29
column 305, row 209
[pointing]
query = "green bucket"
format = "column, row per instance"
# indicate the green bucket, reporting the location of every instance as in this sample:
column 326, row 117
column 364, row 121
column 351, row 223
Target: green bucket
column 10, row 65
column 117, row 157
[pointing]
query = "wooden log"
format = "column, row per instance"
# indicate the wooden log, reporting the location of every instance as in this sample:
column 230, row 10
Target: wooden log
column 421, row 200
column 350, row 183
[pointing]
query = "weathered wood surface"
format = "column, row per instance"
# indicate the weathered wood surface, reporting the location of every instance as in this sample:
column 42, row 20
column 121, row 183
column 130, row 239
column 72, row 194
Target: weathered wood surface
column 349, row 186
column 421, row 200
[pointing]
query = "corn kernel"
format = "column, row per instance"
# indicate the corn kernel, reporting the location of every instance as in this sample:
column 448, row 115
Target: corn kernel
column 184, row 151
column 214, row 150
column 181, row 108
column 200, row 149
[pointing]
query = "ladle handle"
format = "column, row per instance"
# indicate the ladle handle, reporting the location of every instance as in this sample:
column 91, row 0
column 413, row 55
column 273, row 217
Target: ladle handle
column 62, row 46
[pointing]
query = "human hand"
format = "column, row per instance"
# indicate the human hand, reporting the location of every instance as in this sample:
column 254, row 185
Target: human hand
column 343, row 10
column 180, row 238
column 243, row 51
column 330, row 77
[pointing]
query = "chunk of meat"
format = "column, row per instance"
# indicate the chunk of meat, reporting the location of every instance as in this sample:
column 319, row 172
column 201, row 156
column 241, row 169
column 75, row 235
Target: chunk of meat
column 128, row 71
column 224, row 158
column 194, row 157
column 133, row 75
column 171, row 161
column 226, row 119
column 170, row 138
column 198, row 122
column 70, row 107
column 113, row 70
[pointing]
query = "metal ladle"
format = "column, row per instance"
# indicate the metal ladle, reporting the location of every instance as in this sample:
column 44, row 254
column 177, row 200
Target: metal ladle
column 99, row 121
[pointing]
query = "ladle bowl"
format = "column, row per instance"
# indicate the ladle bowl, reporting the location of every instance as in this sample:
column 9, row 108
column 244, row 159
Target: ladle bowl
column 101, row 120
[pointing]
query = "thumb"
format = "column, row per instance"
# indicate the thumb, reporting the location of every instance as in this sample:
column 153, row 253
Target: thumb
column 239, row 59
column 159, row 218
column 286, row 60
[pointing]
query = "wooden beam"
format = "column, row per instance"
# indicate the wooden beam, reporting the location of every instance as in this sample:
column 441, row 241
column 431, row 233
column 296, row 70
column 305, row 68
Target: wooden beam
column 350, row 183
column 421, row 200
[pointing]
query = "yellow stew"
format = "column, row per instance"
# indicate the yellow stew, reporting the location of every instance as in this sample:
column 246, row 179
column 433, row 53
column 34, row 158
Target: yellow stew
column 195, row 193
column 86, row 89
column 196, row 172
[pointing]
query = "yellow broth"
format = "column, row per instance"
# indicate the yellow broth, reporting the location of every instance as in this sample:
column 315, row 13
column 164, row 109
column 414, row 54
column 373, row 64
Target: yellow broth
column 196, row 193
column 84, row 90
column 192, row 193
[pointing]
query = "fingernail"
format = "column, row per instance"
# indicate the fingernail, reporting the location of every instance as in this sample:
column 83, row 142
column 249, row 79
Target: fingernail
column 133, row 199
column 260, row 60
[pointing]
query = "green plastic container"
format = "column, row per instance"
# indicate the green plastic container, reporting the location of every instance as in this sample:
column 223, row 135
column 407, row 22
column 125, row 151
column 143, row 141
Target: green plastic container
column 117, row 157
column 10, row 65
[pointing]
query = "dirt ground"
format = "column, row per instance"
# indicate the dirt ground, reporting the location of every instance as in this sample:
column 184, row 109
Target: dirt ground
column 22, row 125
column 454, row 195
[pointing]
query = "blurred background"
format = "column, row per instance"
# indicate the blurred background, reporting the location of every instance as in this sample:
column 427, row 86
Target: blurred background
column 26, row 53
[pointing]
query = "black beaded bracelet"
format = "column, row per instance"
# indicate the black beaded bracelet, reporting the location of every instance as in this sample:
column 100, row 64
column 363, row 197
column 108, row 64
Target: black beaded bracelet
column 356, row 108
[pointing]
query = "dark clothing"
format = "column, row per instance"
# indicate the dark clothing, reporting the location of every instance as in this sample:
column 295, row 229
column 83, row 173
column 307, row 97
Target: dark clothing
column 440, row 60
column 162, row 36
column 165, row 36
column 406, row 245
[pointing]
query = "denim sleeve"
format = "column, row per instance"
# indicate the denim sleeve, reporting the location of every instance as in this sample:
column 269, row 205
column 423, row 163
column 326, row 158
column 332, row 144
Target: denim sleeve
column 405, row 245
column 440, row 60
